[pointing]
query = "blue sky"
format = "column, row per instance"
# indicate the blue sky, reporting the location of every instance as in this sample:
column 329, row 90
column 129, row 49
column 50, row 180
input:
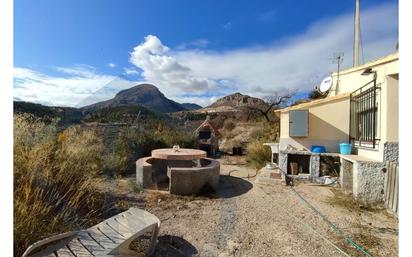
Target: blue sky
column 77, row 52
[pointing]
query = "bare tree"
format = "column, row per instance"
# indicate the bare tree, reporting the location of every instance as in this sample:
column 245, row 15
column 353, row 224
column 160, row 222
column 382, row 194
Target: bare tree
column 274, row 101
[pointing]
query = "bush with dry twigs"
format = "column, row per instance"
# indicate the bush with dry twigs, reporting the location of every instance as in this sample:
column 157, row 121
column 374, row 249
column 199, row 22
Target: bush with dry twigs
column 53, row 187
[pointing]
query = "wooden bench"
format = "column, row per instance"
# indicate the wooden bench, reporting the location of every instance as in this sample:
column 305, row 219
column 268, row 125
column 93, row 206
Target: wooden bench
column 111, row 237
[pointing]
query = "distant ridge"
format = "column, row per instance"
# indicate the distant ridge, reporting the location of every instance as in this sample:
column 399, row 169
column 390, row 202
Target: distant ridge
column 190, row 106
column 233, row 103
column 146, row 95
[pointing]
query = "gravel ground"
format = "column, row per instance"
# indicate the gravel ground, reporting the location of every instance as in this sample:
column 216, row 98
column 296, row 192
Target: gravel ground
column 246, row 219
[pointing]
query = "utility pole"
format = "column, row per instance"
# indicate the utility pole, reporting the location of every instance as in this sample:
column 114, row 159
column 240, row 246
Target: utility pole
column 356, row 37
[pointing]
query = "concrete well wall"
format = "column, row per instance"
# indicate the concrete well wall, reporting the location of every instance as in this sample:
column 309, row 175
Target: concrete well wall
column 144, row 172
column 186, row 181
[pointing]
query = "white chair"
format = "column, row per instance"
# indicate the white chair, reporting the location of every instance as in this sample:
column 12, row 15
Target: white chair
column 111, row 237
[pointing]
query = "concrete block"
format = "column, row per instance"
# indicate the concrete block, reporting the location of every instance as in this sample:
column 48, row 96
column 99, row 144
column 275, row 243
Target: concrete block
column 144, row 172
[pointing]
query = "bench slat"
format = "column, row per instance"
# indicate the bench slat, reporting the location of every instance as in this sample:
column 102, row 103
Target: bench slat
column 64, row 252
column 93, row 246
column 78, row 249
column 116, row 237
column 131, row 224
column 142, row 215
column 102, row 239
column 122, row 230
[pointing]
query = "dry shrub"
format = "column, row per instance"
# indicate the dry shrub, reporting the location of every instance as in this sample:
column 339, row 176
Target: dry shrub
column 229, row 125
column 53, row 187
column 258, row 154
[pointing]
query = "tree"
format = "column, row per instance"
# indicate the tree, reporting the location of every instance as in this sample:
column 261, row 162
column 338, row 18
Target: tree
column 272, row 102
column 315, row 94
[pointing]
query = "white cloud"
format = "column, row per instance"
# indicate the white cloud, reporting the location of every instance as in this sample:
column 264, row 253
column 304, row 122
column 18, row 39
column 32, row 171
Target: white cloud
column 294, row 62
column 198, row 43
column 130, row 71
column 111, row 65
column 163, row 70
column 72, row 86
column 228, row 26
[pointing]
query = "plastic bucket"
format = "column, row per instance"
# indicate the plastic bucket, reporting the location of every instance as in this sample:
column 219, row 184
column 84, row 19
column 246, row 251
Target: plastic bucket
column 318, row 149
column 345, row 148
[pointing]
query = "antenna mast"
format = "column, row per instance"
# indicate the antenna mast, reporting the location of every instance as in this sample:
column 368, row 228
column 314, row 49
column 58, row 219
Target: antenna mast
column 337, row 58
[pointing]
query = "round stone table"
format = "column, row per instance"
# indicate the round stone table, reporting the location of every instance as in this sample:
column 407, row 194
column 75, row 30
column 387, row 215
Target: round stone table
column 183, row 154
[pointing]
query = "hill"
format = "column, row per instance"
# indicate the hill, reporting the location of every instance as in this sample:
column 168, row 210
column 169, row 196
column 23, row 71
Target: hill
column 66, row 115
column 145, row 95
column 191, row 107
column 236, row 102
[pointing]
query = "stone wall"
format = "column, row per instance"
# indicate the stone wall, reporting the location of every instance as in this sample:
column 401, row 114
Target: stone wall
column 283, row 161
column 391, row 152
column 314, row 165
column 346, row 175
column 368, row 181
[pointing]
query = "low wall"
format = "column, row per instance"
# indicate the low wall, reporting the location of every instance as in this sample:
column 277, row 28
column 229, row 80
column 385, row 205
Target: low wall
column 186, row 181
column 368, row 181
column 366, row 176
column 144, row 172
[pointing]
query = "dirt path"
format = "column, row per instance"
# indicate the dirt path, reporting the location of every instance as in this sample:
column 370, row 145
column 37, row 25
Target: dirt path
column 247, row 219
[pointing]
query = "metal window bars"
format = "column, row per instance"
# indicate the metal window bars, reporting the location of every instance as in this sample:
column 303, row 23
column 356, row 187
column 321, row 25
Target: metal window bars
column 363, row 115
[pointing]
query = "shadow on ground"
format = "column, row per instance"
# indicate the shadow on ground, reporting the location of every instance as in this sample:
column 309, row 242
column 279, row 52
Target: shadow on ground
column 169, row 245
column 232, row 186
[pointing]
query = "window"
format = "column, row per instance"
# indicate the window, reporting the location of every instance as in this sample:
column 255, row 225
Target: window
column 364, row 116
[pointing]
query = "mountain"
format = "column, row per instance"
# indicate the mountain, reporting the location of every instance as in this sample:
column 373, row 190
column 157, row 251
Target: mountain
column 237, row 100
column 190, row 106
column 107, row 91
column 233, row 103
column 146, row 95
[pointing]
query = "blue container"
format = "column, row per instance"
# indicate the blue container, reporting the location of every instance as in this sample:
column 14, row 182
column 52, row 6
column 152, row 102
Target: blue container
column 318, row 149
column 345, row 148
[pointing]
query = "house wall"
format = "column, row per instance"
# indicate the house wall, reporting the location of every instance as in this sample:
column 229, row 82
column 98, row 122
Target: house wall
column 388, row 95
column 351, row 79
column 328, row 126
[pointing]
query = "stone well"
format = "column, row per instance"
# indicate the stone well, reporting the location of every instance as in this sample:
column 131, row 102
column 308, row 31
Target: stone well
column 185, row 176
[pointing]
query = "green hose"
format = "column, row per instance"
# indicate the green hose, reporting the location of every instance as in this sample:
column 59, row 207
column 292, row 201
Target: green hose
column 348, row 239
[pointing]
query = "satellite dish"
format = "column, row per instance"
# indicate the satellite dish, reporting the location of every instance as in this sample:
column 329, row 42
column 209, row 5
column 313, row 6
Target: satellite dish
column 326, row 84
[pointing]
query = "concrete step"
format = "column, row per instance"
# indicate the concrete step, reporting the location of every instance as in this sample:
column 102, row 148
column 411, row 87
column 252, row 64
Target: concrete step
column 269, row 181
column 270, row 177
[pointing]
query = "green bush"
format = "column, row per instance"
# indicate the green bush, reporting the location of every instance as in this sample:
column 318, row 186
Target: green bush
column 258, row 154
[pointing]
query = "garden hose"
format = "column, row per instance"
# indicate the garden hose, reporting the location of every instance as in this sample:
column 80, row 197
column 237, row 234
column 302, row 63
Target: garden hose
column 336, row 228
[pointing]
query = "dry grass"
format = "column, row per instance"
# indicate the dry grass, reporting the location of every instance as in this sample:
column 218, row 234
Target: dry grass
column 343, row 200
column 53, row 189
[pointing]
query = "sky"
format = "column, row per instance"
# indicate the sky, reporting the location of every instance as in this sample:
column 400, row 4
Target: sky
column 74, row 53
